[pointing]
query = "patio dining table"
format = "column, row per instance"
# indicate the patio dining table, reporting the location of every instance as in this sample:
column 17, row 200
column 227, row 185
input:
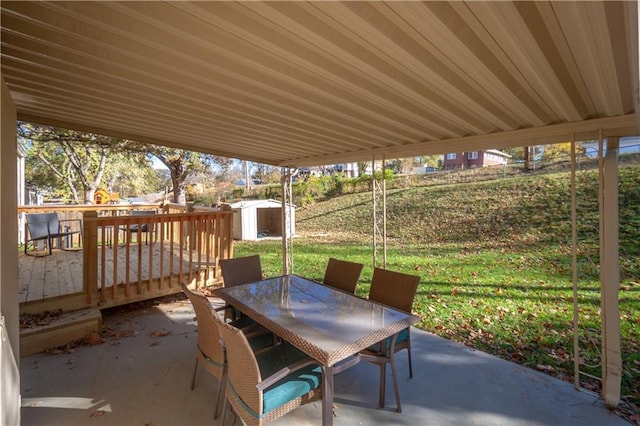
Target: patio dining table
column 327, row 324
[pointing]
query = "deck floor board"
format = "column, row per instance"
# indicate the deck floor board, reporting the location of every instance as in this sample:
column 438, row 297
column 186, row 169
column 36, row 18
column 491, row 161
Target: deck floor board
column 61, row 273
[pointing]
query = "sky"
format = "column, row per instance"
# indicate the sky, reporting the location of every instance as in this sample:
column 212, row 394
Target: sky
column 157, row 164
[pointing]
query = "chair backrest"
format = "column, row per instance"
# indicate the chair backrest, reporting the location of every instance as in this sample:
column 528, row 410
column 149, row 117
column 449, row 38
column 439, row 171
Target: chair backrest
column 208, row 333
column 242, row 367
column 143, row 212
column 241, row 270
column 342, row 274
column 145, row 226
column 40, row 225
column 393, row 289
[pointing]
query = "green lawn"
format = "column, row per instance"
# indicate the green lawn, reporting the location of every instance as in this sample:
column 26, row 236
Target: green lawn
column 518, row 306
column 495, row 265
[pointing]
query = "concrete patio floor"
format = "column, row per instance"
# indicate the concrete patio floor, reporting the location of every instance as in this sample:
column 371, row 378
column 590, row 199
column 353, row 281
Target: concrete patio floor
column 140, row 376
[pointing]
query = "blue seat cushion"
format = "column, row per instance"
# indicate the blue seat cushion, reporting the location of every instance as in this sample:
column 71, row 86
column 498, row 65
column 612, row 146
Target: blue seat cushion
column 296, row 384
column 402, row 336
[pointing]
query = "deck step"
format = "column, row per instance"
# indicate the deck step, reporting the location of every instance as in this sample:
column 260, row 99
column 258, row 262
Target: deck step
column 61, row 330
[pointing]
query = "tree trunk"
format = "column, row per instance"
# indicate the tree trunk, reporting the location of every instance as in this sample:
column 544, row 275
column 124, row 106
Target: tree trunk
column 179, row 195
column 93, row 186
column 527, row 158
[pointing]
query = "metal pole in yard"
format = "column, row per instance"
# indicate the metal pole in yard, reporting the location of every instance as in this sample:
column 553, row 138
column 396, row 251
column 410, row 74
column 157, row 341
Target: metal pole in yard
column 375, row 222
column 384, row 213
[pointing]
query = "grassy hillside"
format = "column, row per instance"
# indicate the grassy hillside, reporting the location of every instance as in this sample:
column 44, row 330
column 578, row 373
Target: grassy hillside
column 515, row 213
column 494, row 259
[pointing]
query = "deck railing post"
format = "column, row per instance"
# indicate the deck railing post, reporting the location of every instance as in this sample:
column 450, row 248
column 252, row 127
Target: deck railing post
column 164, row 209
column 90, row 254
column 226, row 234
column 191, row 230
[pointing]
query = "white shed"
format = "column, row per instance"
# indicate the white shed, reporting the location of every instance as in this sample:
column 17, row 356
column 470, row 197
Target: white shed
column 255, row 219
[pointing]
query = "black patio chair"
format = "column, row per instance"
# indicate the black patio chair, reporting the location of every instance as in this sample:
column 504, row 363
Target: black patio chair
column 143, row 228
column 47, row 227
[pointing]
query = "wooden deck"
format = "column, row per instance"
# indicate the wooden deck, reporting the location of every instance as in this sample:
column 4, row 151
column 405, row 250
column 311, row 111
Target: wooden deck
column 49, row 276
column 115, row 269
column 60, row 275
column 149, row 257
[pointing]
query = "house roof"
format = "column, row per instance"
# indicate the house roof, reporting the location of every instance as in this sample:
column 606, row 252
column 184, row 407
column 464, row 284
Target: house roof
column 310, row 83
column 247, row 204
column 496, row 152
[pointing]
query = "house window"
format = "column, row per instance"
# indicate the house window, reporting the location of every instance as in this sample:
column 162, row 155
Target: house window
column 473, row 155
column 451, row 156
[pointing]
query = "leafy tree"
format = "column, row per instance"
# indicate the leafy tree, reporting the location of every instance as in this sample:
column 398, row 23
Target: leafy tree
column 362, row 167
column 267, row 173
column 557, row 150
column 130, row 174
column 400, row 165
column 75, row 163
column 517, row 154
column 434, row 161
column 78, row 163
column 182, row 164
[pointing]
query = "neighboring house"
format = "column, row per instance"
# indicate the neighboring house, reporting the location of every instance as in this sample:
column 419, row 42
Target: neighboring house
column 473, row 159
column 347, row 169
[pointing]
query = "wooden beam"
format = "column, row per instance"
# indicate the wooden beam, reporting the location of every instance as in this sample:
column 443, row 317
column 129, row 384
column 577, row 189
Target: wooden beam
column 624, row 125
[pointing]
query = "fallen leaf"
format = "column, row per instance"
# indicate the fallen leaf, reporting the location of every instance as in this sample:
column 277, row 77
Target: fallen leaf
column 93, row 339
column 544, row 367
column 159, row 333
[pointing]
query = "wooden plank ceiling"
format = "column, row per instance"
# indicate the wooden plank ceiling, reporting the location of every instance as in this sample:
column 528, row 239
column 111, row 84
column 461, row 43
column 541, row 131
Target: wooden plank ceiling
column 310, row 83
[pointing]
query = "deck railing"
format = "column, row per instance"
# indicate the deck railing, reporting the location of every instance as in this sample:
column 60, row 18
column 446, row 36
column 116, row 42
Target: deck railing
column 73, row 214
column 129, row 258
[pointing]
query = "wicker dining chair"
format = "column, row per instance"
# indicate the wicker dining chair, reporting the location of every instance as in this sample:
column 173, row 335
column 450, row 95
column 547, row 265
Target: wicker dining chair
column 237, row 271
column 342, row 274
column 396, row 290
column 241, row 270
column 208, row 349
column 266, row 385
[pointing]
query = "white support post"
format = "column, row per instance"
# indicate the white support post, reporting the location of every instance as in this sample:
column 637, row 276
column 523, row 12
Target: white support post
column 384, row 212
column 574, row 264
column 287, row 221
column 379, row 215
column 610, row 274
column 374, row 209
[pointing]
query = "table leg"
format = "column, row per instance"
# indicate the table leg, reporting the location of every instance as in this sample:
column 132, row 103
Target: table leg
column 383, row 384
column 327, row 395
